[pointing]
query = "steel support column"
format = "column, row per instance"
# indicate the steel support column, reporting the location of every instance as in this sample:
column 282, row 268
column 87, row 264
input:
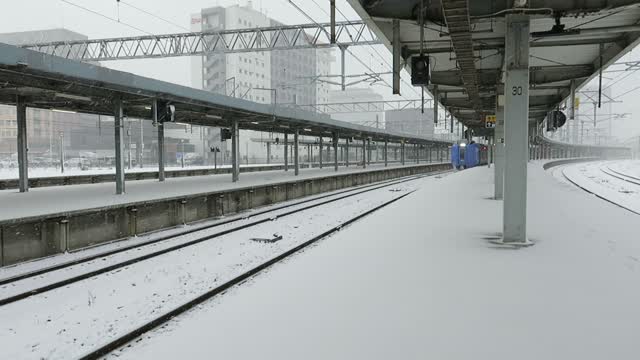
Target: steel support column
column 235, row 151
column 161, row 151
column 516, row 129
column 23, row 158
column 402, row 152
column 343, row 50
column 119, row 143
column 296, row 157
column 346, row 152
column 286, row 152
column 268, row 153
column 320, row 152
column 335, row 151
column 364, row 153
column 498, row 169
column 396, row 49
column 368, row 151
column 386, row 153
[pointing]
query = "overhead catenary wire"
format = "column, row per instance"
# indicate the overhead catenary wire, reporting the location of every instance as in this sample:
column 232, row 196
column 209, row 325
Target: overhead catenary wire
column 105, row 16
column 153, row 15
column 348, row 50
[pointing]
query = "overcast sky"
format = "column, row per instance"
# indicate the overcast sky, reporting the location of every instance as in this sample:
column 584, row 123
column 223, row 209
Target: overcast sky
column 27, row 15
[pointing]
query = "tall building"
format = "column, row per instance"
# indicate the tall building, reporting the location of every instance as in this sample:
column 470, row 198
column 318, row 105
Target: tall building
column 410, row 121
column 44, row 127
column 280, row 77
column 351, row 95
column 49, row 133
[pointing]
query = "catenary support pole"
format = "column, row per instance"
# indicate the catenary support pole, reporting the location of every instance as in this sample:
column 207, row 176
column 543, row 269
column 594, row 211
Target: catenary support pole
column 119, row 143
column 23, row 158
column 516, row 128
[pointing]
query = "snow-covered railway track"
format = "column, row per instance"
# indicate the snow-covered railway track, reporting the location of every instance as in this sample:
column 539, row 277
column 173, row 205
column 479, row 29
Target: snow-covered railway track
column 231, row 225
column 598, row 191
column 619, row 175
column 122, row 340
column 67, row 322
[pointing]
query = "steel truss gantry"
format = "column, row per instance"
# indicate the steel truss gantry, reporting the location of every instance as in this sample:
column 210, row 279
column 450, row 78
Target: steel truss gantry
column 284, row 37
column 366, row 106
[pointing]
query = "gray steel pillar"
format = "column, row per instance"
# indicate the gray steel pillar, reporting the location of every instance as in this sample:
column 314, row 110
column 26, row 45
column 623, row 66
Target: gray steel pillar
column 119, row 143
column 417, row 151
column 498, row 169
column 158, row 121
column 335, row 151
column 268, row 153
column 364, row 153
column 346, row 152
column 396, row 56
column 402, row 152
column 320, row 152
column 296, row 157
column 516, row 129
column 369, row 151
column 235, row 151
column 386, row 153
column 286, row 152
column 161, row 151
column 23, row 158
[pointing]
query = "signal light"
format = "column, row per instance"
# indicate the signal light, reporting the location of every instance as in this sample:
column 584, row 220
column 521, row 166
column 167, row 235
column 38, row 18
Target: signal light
column 420, row 70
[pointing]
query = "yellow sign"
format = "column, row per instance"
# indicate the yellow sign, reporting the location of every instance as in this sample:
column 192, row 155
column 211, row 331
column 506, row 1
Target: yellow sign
column 490, row 121
column 576, row 102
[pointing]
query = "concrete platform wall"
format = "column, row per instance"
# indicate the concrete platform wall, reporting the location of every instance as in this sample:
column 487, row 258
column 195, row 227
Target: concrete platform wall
column 31, row 238
column 35, row 182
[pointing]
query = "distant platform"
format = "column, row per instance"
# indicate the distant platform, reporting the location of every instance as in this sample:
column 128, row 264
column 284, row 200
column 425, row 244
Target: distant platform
column 60, row 200
column 420, row 280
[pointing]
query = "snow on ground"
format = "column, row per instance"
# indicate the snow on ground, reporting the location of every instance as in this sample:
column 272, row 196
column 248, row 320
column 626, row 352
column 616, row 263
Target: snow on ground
column 418, row 280
column 51, row 200
column 250, row 214
column 68, row 322
column 630, row 167
column 12, row 173
column 598, row 178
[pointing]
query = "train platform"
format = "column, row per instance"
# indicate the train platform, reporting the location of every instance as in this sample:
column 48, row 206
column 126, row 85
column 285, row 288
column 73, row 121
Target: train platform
column 420, row 279
column 73, row 198
column 55, row 220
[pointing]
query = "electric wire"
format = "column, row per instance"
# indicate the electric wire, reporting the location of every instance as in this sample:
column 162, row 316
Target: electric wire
column 105, row 16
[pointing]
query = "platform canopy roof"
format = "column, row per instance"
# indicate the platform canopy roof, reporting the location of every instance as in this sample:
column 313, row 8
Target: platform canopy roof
column 464, row 40
column 51, row 82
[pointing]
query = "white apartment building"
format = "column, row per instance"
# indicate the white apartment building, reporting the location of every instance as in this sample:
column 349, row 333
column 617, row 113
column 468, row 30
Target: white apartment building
column 351, row 95
column 281, row 77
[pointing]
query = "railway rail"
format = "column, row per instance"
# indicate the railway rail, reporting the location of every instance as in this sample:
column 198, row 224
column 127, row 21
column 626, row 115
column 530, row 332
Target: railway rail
column 263, row 216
